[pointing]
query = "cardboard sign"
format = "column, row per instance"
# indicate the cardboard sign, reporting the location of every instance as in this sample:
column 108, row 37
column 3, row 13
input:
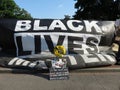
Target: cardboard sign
column 59, row 74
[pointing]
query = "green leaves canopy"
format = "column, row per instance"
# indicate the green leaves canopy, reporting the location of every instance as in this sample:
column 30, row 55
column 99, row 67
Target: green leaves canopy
column 9, row 9
column 97, row 9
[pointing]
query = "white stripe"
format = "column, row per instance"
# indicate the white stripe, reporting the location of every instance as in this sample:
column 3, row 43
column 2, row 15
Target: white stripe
column 12, row 61
column 26, row 63
column 19, row 61
column 72, row 60
column 102, row 58
column 91, row 59
column 110, row 58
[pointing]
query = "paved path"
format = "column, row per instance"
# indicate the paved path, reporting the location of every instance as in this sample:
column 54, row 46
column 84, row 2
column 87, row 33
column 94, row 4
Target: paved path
column 77, row 81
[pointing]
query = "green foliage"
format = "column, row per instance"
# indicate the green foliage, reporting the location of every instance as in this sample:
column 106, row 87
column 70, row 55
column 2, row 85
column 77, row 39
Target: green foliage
column 97, row 9
column 9, row 9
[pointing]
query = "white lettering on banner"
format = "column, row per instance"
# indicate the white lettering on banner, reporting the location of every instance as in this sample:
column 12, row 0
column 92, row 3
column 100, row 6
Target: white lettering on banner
column 72, row 60
column 72, row 27
column 21, row 62
column 101, row 57
column 79, row 38
column 25, row 25
column 91, row 24
column 18, row 61
column 110, row 58
column 37, row 27
column 90, row 58
column 47, row 41
column 25, row 63
column 57, row 24
column 12, row 61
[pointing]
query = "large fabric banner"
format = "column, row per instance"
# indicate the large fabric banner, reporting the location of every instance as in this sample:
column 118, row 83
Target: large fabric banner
column 88, row 43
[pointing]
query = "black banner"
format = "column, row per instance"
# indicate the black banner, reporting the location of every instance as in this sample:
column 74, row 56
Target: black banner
column 86, row 38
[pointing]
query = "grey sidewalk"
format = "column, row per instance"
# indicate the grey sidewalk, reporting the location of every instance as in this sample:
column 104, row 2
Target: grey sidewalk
column 77, row 81
column 113, row 68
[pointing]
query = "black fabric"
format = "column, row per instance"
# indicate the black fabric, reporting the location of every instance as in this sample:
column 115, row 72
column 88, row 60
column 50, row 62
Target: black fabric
column 7, row 29
column 85, row 42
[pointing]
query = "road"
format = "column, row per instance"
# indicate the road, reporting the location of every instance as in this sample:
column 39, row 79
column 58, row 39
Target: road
column 77, row 81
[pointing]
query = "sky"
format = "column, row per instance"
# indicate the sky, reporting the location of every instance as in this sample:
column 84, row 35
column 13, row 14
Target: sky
column 45, row 9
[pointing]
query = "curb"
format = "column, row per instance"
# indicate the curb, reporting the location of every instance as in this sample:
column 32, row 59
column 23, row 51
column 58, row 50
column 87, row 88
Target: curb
column 114, row 68
column 104, row 69
column 9, row 70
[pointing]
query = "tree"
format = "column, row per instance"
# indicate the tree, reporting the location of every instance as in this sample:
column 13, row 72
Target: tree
column 97, row 9
column 66, row 17
column 9, row 9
